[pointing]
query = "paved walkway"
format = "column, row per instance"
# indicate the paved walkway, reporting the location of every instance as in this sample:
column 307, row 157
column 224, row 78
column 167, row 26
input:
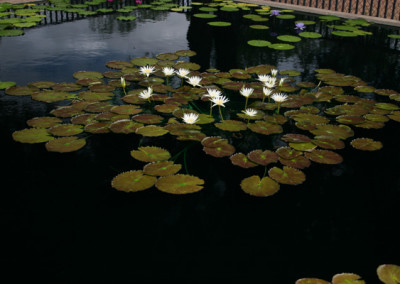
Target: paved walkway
column 377, row 20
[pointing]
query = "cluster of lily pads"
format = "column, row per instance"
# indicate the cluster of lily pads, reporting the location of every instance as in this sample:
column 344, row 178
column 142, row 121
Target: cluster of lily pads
column 387, row 273
column 165, row 96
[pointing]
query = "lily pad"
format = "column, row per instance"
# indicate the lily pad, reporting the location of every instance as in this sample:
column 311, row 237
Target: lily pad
column 185, row 53
column 241, row 160
column 44, row 122
column 98, row 127
column 259, row 27
column 219, row 24
column 324, row 157
column 289, row 38
column 20, row 91
column 339, row 131
column 328, row 142
column 259, row 187
column 148, row 118
column 295, row 138
column 32, row 135
column 179, row 184
column 347, row 278
column 311, row 281
column 231, row 125
column 150, row 154
column 288, row 152
column 65, row 144
column 126, row 18
column 299, row 162
column 5, row 85
column 366, row 144
column 11, row 32
column 264, row 127
column 344, row 33
column 133, row 181
column 310, row 35
column 66, row 129
column 263, row 158
column 126, row 109
column 51, row 96
column 87, row 74
column 287, row 175
column 125, row 126
column 259, row 43
column 281, row 46
column 143, row 61
column 161, row 168
column 151, row 131
column 389, row 273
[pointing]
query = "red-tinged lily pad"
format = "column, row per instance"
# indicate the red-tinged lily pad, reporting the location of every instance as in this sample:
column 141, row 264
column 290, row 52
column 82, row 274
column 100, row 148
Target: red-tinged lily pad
column 395, row 116
column 101, row 88
column 354, row 109
column 65, row 144
column 346, row 98
column 324, row 157
column 193, row 135
column 110, row 116
column 366, row 144
column 276, row 118
column 214, row 141
column 241, row 160
column 86, row 82
column 148, row 118
column 376, row 117
column 311, row 281
column 161, row 168
column 44, row 122
column 309, row 117
column 263, row 158
column 66, row 111
column 95, row 96
column 150, row 154
column 166, row 108
column 66, row 87
column 389, row 273
column 385, row 92
column 264, row 127
column 386, row 106
column 299, row 162
column 151, row 131
column 287, row 175
column 32, row 135
column 126, row 109
column 42, row 84
column 338, row 131
column 259, row 187
column 132, row 181
column 231, row 125
column 117, row 64
column 113, row 74
column 20, row 91
column 219, row 151
column 51, row 96
column 295, row 138
column 125, row 126
column 97, row 127
column 302, row 146
column 97, row 107
column 66, row 129
column 350, row 119
column 288, row 153
column 370, row 125
column 182, row 128
column 179, row 184
column 5, row 85
column 328, row 142
column 347, row 278
column 87, row 74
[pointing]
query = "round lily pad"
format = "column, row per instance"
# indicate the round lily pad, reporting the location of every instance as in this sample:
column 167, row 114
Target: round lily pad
column 32, row 135
column 311, row 281
column 366, row 144
column 289, row 38
column 389, row 273
column 179, row 184
column 161, row 168
column 329, row 18
column 208, row 9
column 299, row 162
column 87, row 74
column 310, row 35
column 328, row 142
column 324, row 157
column 151, row 131
column 51, row 96
column 65, row 144
column 132, row 181
column 263, row 158
column 143, row 61
column 222, row 150
column 344, row 33
column 259, row 43
column 126, row 109
column 66, row 87
column 148, row 118
column 11, row 32
column 231, row 125
column 241, row 160
column 295, row 138
column 117, row 64
column 20, row 91
column 44, row 122
column 259, row 27
column 219, row 24
column 259, row 187
column 66, row 129
column 287, row 175
column 5, row 85
column 126, row 18
column 125, row 126
column 150, row 154
column 98, row 127
column 349, row 278
column 288, row 152
column 286, row 17
column 264, row 127
column 338, row 131
column 185, row 53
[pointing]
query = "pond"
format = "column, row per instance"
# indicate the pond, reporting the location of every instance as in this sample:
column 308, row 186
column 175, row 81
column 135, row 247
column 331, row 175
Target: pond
column 62, row 219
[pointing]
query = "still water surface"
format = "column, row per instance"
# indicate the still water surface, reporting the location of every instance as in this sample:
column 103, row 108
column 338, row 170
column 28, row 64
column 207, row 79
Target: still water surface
column 63, row 221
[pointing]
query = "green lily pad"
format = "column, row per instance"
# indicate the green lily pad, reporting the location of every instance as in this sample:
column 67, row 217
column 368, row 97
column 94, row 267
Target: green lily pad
column 208, row 9
column 95, row 96
column 150, row 154
column 11, row 32
column 167, row 56
column 229, row 9
column 324, row 157
column 310, row 35
column 259, row 27
column 385, row 106
column 328, row 142
column 288, row 152
column 98, row 127
column 338, row 131
column 263, row 158
column 97, row 107
column 389, row 273
column 144, row 61
column 32, row 135
column 179, row 184
column 281, row 46
column 5, row 85
column 264, row 127
column 350, row 119
column 329, row 18
column 185, row 53
column 148, row 118
column 287, row 175
column 299, row 162
column 25, row 25
column 20, row 91
column 394, row 36
column 231, row 125
column 297, row 138
column 259, row 187
column 124, row 126
column 259, row 43
column 87, row 74
column 311, row 281
column 302, row 146
column 66, row 129
column 241, row 160
column 65, row 144
column 219, row 24
column 43, row 122
column 151, row 131
column 50, row 96
column 126, row 18
column 344, row 33
column 217, row 147
column 286, row 17
column 118, row 64
column 133, row 181
column 66, row 87
column 366, row 144
column 348, row 278
column 161, row 168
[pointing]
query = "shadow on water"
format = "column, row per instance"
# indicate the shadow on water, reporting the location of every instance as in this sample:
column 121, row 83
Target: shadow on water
column 62, row 220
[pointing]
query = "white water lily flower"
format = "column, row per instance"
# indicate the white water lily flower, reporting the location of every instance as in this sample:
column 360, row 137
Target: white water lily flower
column 264, row 78
column 267, row 91
column 271, row 82
column 123, row 83
column 147, row 70
column 281, row 81
column 168, row 71
column 213, row 93
column 190, row 118
column 194, row 81
column 279, row 97
column 274, row 72
column 146, row 94
column 219, row 101
column 246, row 92
column 182, row 72
column 250, row 112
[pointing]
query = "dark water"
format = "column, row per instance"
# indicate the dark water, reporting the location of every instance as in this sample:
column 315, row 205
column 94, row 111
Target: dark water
column 62, row 221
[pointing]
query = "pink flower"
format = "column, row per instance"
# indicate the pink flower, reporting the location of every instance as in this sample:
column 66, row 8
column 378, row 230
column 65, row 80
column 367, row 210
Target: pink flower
column 139, row 2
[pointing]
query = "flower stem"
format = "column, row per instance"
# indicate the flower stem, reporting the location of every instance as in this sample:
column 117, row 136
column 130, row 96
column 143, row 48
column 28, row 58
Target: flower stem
column 220, row 113
column 210, row 108
column 245, row 106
